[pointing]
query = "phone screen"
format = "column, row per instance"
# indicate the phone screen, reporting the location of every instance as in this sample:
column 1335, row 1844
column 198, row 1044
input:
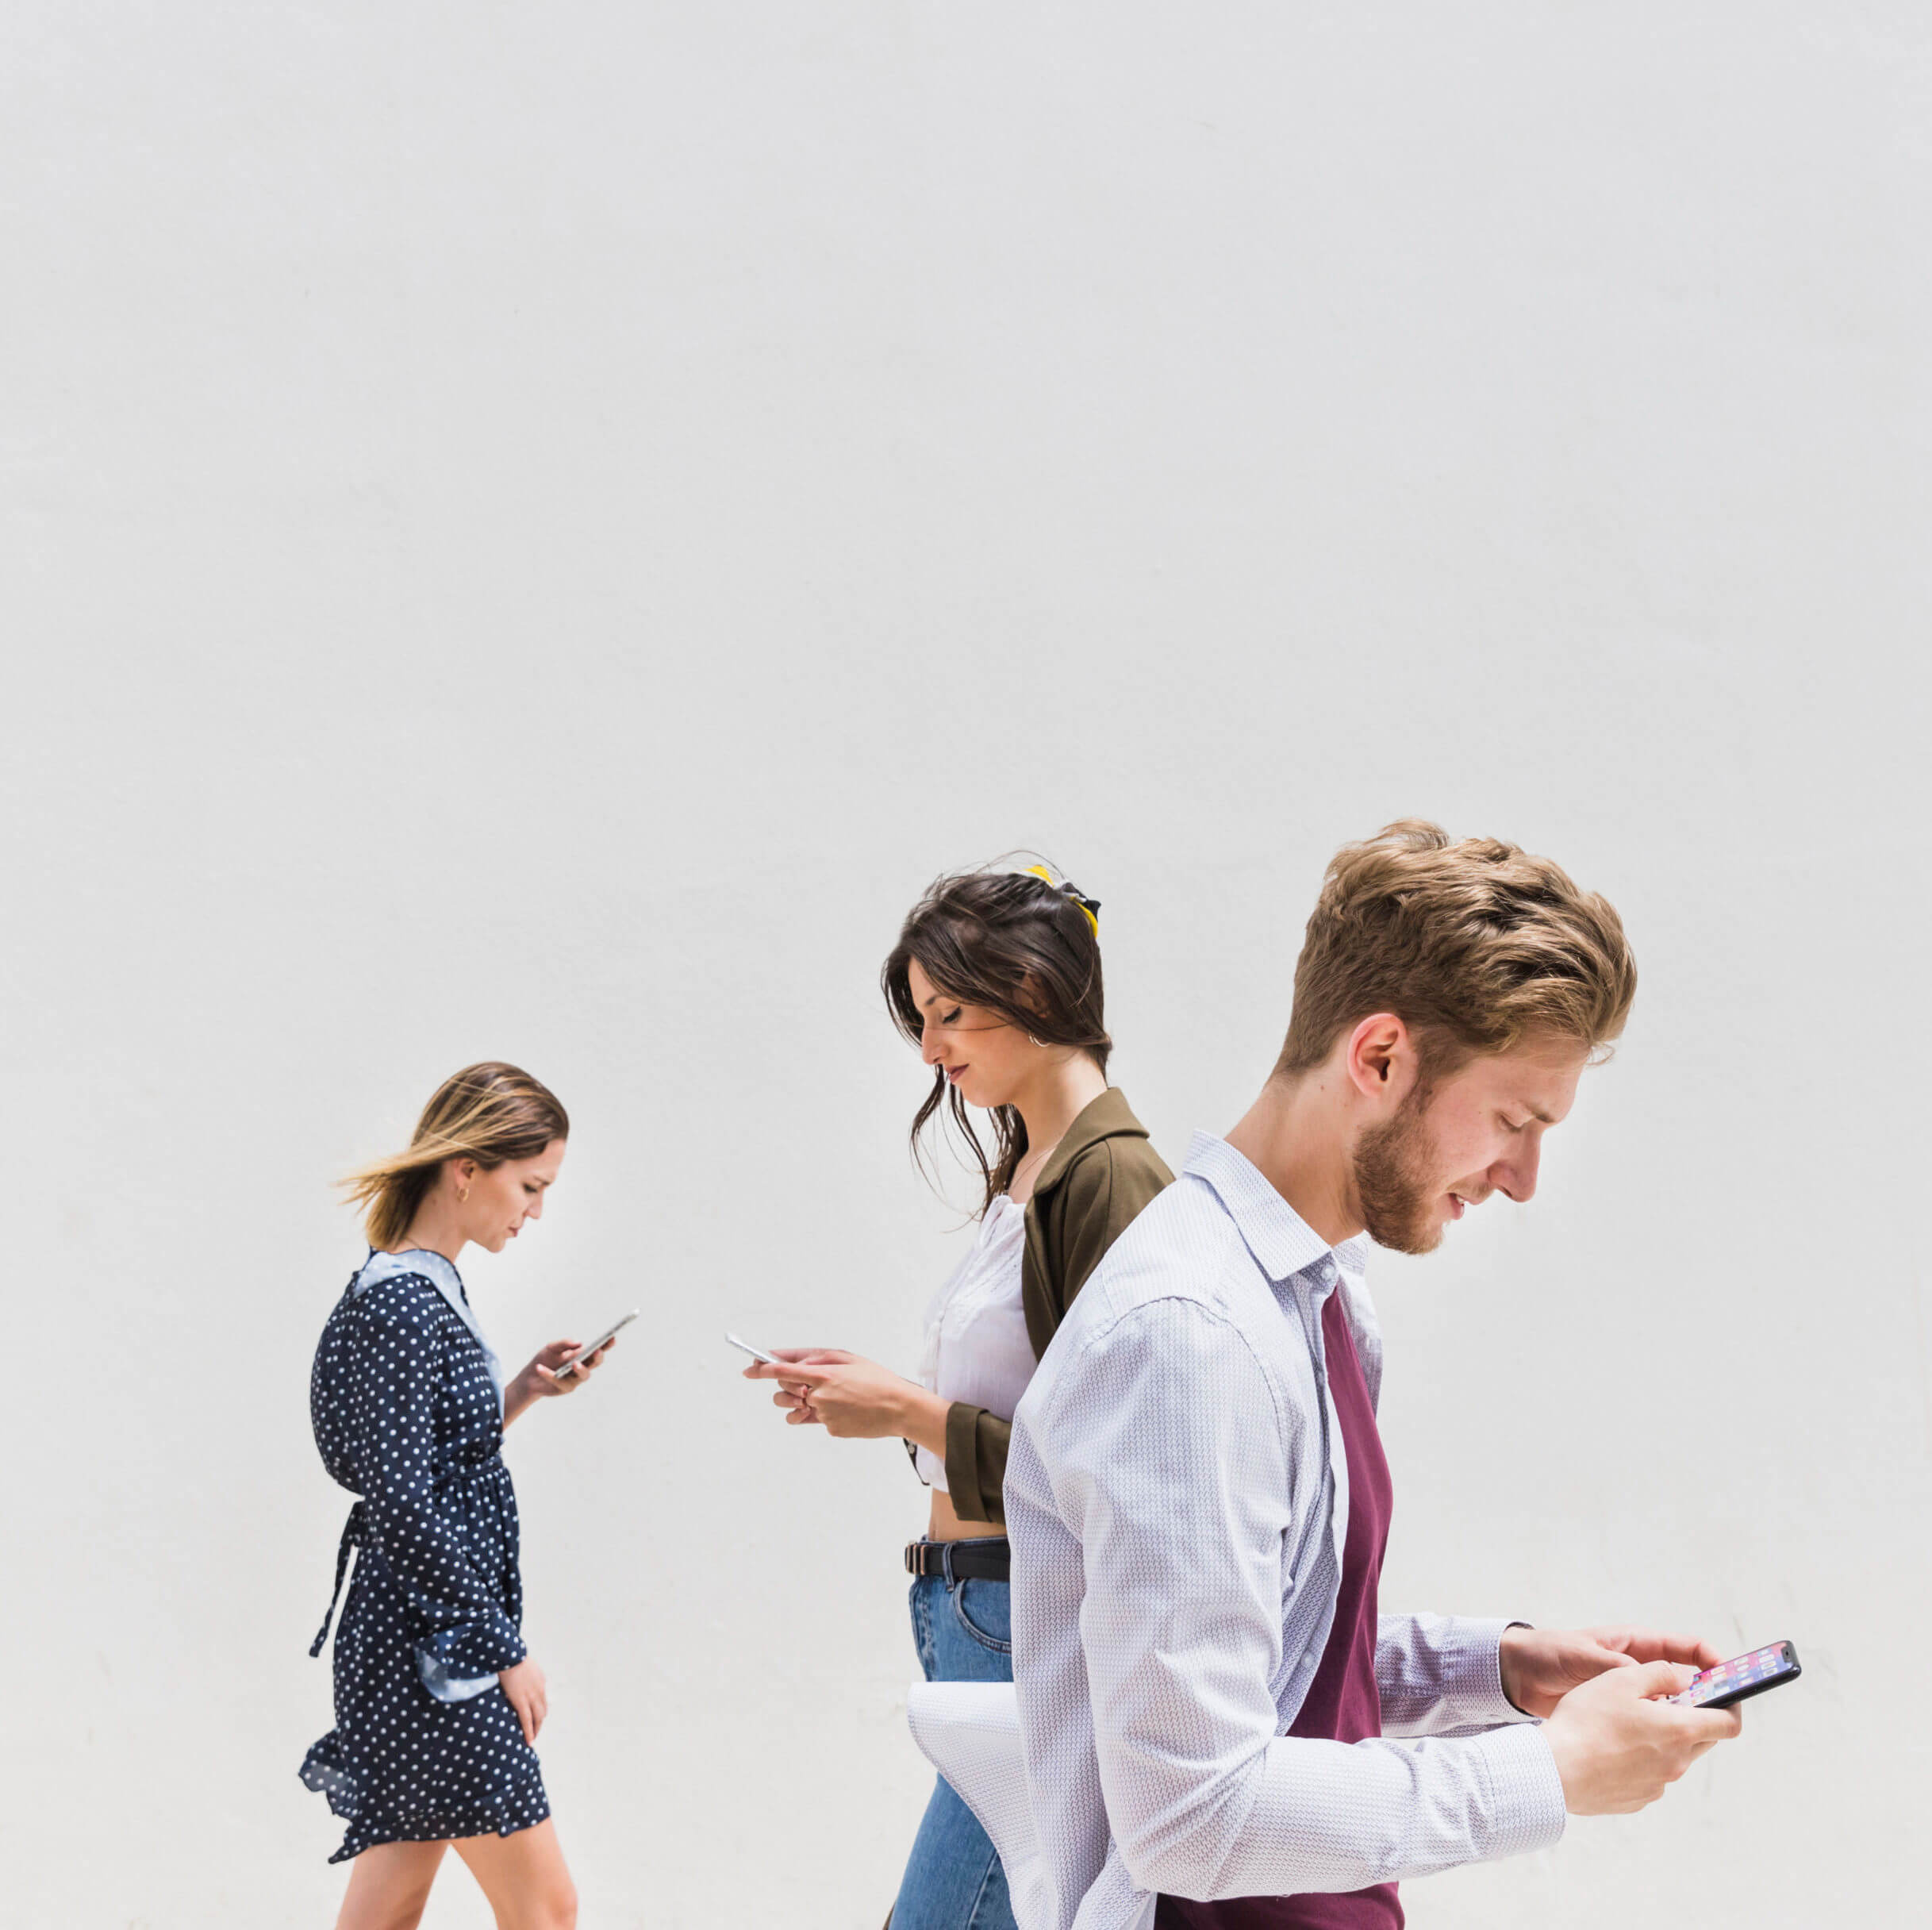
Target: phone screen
column 1743, row 1675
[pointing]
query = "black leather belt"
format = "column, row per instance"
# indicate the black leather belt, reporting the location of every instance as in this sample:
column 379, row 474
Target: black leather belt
column 984, row 1558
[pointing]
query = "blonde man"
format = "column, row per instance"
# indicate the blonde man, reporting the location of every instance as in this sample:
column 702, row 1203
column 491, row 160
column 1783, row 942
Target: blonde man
column 1198, row 1496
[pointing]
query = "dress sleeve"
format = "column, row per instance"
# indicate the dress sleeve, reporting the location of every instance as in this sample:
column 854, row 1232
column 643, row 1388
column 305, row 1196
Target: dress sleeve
column 456, row 1622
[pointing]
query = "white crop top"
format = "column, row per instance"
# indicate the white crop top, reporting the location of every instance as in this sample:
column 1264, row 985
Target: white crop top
column 977, row 1348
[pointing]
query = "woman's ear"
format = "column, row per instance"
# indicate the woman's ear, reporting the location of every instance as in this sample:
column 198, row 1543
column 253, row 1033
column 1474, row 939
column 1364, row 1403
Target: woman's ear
column 1029, row 998
column 1029, row 1001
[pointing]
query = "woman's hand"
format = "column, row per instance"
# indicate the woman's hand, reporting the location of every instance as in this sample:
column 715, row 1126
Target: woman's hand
column 852, row 1397
column 528, row 1695
column 792, row 1395
column 540, row 1380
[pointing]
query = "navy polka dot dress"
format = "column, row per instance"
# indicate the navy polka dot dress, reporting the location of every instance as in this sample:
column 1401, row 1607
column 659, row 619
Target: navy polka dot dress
column 407, row 1416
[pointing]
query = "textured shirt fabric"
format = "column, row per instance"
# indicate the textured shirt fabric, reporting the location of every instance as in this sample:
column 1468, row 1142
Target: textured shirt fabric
column 1343, row 1704
column 977, row 1348
column 408, row 1415
column 1178, row 1499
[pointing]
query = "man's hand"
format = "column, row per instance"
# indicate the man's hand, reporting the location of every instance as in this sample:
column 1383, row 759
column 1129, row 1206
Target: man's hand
column 1617, row 1750
column 1541, row 1666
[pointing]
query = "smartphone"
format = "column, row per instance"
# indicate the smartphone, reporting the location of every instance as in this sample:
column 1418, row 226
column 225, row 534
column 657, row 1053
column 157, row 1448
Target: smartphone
column 757, row 1353
column 1741, row 1677
column 603, row 1339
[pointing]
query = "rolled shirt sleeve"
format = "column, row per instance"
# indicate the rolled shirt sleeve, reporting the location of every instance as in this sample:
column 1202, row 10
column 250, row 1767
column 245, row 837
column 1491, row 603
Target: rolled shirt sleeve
column 976, row 1444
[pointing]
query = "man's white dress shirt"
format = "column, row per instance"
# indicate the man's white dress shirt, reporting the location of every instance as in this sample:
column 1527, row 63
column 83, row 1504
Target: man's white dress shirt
column 1177, row 1494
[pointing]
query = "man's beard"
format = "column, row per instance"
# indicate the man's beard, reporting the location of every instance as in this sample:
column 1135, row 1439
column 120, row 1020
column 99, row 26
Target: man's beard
column 1393, row 1184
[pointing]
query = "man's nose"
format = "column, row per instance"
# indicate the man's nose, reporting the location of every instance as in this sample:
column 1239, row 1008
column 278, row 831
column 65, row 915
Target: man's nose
column 1517, row 1176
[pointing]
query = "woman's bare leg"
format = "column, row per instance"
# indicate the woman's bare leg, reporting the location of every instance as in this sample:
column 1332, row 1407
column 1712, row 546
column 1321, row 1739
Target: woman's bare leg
column 524, row 1878
column 388, row 1884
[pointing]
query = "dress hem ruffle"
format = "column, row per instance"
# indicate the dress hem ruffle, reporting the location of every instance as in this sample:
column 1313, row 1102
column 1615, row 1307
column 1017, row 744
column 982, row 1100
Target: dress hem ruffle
column 520, row 1806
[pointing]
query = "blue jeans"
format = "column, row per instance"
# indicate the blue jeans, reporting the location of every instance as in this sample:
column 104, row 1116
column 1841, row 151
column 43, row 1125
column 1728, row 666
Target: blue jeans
column 953, row 1880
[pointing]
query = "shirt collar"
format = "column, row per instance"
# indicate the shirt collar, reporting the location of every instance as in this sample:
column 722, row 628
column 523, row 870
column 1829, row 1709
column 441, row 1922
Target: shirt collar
column 439, row 1272
column 1283, row 1243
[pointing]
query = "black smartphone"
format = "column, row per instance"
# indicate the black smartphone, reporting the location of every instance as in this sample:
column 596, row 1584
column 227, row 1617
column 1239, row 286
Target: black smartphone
column 1742, row 1676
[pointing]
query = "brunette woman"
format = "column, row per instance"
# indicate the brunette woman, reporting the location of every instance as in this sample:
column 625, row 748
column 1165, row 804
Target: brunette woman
column 438, row 1701
column 996, row 979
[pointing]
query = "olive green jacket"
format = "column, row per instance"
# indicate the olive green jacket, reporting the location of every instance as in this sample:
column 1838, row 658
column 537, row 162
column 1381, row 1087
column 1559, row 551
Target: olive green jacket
column 1101, row 1174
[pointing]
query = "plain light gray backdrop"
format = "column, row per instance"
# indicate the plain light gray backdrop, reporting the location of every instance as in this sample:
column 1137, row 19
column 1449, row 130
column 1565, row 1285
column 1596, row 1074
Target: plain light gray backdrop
column 535, row 531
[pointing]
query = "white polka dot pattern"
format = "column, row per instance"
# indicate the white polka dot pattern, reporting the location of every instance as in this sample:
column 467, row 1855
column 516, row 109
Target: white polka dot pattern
column 426, row 1745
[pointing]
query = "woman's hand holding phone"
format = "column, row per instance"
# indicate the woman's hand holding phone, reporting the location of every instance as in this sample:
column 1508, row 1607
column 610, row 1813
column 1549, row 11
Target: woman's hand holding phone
column 851, row 1397
column 794, row 1391
column 540, row 1380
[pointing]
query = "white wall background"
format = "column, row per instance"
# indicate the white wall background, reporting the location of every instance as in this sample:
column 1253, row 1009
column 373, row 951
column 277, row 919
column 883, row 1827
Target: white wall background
column 535, row 530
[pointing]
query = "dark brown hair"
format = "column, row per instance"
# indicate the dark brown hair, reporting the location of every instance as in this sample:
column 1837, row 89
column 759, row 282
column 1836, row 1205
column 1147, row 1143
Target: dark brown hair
column 490, row 1113
column 1020, row 946
column 1472, row 944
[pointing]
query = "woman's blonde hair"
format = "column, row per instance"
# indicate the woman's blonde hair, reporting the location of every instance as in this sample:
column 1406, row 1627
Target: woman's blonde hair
column 488, row 1112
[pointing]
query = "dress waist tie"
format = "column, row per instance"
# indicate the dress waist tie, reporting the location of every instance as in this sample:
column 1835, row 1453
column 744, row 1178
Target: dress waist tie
column 351, row 1538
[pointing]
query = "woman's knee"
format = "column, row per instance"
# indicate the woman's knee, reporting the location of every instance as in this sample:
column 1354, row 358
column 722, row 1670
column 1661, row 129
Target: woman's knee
column 560, row 1907
column 553, row 1905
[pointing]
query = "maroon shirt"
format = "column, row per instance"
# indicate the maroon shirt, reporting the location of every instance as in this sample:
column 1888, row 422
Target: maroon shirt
column 1342, row 1704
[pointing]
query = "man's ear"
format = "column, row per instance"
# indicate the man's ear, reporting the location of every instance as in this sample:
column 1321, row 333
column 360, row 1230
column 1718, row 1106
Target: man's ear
column 1380, row 1059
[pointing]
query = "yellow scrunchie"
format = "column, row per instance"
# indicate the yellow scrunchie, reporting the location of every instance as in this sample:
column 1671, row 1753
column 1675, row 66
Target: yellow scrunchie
column 1040, row 870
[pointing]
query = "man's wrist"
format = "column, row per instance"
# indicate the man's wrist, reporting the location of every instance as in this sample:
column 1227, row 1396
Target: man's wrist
column 1508, row 1661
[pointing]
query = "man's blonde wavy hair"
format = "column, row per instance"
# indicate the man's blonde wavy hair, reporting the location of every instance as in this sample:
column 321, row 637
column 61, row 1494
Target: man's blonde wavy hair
column 1472, row 943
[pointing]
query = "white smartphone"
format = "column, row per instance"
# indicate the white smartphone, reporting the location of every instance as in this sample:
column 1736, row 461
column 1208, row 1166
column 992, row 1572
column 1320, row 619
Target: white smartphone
column 603, row 1339
column 757, row 1353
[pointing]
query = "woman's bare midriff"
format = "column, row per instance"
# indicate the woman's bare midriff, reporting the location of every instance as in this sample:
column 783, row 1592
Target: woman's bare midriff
column 944, row 1525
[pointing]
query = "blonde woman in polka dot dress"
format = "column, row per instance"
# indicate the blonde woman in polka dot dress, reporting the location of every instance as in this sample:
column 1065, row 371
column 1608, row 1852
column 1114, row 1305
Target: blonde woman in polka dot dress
column 438, row 1701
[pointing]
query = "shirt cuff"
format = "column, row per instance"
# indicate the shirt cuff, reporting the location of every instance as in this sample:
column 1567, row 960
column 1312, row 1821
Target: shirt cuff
column 1474, row 1677
column 1526, row 1810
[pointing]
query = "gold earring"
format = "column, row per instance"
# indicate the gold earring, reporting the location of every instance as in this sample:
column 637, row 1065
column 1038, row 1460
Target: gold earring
column 463, row 1193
